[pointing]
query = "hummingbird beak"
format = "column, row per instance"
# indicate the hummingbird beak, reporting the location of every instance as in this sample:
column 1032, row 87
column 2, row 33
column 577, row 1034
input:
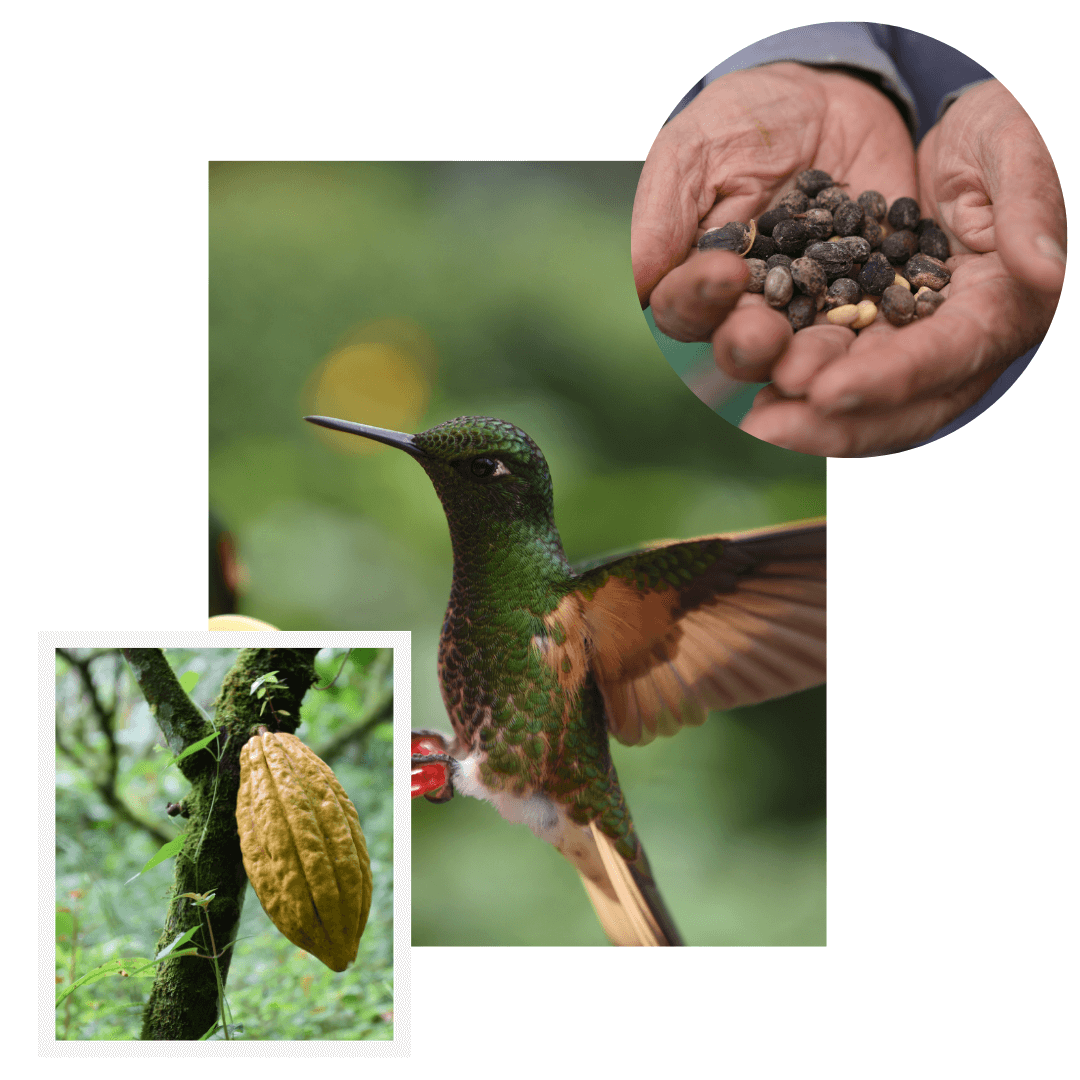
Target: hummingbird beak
column 378, row 434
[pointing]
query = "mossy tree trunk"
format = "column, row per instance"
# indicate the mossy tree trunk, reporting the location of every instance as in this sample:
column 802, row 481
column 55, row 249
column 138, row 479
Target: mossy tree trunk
column 184, row 1001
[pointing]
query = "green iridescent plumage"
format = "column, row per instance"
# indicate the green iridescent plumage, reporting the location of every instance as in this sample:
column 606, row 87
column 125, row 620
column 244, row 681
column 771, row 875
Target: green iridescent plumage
column 509, row 571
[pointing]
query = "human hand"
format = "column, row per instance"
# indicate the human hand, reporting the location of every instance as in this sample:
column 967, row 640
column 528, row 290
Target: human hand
column 726, row 157
column 986, row 176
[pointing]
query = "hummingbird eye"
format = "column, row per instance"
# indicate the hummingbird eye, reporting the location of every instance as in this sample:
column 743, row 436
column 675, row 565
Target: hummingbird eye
column 483, row 468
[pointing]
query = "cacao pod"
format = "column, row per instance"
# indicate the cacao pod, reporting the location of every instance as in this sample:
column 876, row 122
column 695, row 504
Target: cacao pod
column 303, row 849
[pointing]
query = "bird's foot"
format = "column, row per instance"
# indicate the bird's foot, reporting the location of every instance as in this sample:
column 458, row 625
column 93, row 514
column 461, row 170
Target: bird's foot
column 431, row 766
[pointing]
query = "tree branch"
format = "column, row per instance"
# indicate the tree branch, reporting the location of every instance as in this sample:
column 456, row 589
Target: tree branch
column 103, row 778
column 378, row 708
column 184, row 1002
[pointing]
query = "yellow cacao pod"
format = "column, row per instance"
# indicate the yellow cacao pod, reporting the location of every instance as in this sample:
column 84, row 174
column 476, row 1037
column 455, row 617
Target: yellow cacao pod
column 303, row 849
column 238, row 622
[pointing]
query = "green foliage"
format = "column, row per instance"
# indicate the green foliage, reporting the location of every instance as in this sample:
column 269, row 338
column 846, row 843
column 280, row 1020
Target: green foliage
column 108, row 912
column 135, row 967
column 263, row 688
column 109, row 1007
column 279, row 992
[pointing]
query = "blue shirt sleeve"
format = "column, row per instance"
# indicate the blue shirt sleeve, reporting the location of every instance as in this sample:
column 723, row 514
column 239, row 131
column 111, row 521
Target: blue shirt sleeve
column 922, row 75
column 934, row 72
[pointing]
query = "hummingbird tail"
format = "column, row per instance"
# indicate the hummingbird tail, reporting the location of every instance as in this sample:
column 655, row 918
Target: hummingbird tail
column 628, row 903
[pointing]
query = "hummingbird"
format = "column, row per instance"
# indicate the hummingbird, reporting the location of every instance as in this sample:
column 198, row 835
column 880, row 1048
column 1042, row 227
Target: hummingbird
column 540, row 663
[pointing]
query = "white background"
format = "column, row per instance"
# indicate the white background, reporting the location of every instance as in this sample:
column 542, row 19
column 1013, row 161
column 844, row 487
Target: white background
column 953, row 583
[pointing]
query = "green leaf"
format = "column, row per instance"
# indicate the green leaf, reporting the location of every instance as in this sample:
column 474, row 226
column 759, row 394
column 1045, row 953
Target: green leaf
column 166, row 851
column 189, row 680
column 176, row 942
column 147, row 767
column 270, row 676
column 194, row 748
column 128, row 968
column 216, row 1033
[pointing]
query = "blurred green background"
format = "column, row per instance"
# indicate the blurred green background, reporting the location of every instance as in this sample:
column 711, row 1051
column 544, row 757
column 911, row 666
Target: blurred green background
column 406, row 294
column 112, row 789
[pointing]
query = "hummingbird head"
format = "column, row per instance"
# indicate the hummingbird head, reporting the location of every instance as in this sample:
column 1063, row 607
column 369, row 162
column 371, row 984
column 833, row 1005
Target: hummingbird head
column 485, row 471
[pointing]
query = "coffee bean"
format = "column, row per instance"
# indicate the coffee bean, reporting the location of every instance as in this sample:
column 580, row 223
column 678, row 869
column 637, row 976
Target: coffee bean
column 877, row 275
column 790, row 237
column 762, row 247
column 796, row 202
column 927, row 302
column 819, row 224
column 801, row 311
column 872, row 233
column 834, row 258
column 857, row 248
column 898, row 305
column 734, row 236
column 832, row 198
column 935, row 243
column 812, row 181
column 758, row 272
column 849, row 219
column 770, row 218
column 843, row 291
column 904, row 214
column 926, row 270
column 778, row 286
column 873, row 203
column 899, row 247
column 809, row 276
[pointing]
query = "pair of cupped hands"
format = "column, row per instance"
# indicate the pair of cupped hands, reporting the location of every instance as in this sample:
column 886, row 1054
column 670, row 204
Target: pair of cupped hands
column 982, row 172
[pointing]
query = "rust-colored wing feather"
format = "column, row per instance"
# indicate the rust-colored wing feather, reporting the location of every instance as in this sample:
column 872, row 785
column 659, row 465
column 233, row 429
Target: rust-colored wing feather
column 683, row 627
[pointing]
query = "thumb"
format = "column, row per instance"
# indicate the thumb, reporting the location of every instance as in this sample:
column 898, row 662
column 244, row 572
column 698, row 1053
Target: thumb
column 653, row 256
column 1031, row 241
column 664, row 222
column 1029, row 209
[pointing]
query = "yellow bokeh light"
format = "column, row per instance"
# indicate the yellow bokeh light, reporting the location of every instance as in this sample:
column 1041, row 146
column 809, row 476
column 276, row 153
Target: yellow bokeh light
column 380, row 374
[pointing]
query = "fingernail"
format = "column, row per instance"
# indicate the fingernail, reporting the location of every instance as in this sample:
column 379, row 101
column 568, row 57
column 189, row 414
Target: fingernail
column 845, row 404
column 1050, row 248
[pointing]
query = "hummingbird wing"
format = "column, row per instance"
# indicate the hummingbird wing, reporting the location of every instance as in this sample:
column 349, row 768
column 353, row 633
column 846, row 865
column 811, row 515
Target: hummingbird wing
column 681, row 627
